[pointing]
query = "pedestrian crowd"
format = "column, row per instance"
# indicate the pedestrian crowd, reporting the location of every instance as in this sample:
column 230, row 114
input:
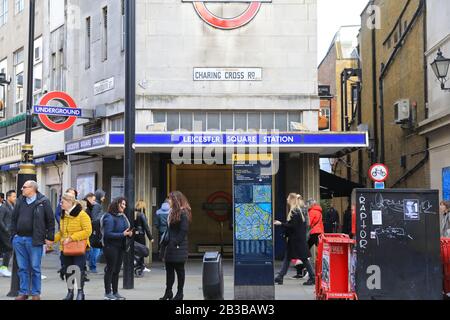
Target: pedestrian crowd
column 83, row 231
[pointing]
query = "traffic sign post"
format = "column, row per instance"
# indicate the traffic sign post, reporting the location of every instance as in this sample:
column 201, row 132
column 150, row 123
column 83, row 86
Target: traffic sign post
column 379, row 173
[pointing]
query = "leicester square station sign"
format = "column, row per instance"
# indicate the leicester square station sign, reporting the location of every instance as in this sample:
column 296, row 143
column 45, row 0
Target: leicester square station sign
column 227, row 23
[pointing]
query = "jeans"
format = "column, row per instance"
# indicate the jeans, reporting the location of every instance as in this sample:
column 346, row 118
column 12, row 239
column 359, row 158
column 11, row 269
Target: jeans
column 92, row 256
column 286, row 263
column 79, row 261
column 114, row 259
column 29, row 264
column 170, row 275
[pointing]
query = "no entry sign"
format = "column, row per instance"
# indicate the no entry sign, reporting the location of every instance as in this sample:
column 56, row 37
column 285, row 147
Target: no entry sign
column 44, row 111
column 227, row 23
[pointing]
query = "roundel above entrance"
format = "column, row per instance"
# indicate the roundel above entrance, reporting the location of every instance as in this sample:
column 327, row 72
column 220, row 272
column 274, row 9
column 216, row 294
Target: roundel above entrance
column 227, row 23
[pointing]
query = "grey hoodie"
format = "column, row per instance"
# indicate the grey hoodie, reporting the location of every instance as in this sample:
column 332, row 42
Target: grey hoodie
column 97, row 209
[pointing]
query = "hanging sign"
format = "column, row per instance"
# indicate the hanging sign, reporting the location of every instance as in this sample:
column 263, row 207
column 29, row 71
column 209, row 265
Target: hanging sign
column 69, row 111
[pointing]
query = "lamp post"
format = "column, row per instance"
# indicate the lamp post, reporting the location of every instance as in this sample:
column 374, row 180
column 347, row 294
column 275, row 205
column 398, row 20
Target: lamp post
column 130, row 132
column 27, row 167
column 440, row 67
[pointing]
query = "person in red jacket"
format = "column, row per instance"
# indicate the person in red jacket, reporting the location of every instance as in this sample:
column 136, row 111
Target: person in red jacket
column 315, row 221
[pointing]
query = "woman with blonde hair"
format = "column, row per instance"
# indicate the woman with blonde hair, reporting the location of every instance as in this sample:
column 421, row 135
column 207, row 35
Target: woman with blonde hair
column 142, row 229
column 295, row 230
column 75, row 225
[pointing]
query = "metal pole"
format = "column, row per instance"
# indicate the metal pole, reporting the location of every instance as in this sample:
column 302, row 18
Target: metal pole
column 130, row 131
column 27, row 168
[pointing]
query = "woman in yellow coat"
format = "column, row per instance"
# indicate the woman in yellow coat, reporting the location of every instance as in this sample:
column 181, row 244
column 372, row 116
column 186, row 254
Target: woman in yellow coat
column 75, row 225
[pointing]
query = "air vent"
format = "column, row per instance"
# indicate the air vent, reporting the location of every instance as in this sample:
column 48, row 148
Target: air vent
column 92, row 128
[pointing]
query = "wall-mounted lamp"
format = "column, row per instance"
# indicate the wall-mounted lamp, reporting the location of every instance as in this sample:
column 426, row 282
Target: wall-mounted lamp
column 440, row 68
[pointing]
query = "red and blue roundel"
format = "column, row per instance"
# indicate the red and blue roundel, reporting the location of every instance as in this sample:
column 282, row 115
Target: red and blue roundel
column 227, row 23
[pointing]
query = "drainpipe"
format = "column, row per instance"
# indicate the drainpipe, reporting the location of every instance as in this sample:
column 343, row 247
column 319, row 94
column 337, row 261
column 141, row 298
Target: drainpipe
column 342, row 101
column 375, row 98
column 382, row 147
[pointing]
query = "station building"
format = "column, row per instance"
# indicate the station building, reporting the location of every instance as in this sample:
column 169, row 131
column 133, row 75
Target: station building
column 203, row 93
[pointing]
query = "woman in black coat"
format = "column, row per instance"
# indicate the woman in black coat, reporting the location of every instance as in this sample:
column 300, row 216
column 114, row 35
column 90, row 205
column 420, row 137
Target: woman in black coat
column 176, row 249
column 295, row 232
column 142, row 229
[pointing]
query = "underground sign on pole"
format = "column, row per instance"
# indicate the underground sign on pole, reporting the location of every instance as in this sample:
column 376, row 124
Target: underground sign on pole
column 46, row 111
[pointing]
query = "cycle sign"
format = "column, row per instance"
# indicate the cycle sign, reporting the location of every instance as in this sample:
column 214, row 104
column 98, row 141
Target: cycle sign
column 379, row 172
column 68, row 111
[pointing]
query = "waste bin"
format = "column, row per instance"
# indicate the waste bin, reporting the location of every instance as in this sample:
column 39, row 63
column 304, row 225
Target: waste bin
column 445, row 253
column 333, row 277
column 213, row 288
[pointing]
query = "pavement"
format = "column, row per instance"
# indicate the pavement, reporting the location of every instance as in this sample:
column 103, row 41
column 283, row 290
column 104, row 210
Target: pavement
column 152, row 285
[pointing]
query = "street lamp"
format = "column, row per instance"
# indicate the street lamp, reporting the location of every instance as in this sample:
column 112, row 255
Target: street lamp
column 440, row 68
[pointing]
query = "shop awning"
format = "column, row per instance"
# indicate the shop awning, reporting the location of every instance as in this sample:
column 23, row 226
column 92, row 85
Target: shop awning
column 332, row 186
column 38, row 161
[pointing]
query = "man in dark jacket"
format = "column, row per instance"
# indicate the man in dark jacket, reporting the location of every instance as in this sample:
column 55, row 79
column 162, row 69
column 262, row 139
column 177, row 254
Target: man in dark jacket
column 6, row 211
column 96, row 214
column 331, row 221
column 33, row 226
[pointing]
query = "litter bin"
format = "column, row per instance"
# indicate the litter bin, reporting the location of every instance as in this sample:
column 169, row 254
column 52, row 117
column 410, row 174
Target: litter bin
column 333, row 277
column 445, row 253
column 213, row 276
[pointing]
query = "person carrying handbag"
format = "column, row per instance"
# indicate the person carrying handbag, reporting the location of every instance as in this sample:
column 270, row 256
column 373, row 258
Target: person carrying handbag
column 75, row 230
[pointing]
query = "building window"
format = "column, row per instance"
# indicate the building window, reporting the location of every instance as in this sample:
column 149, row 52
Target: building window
column 227, row 121
column 105, row 34
column 117, row 124
column 3, row 12
column 122, row 19
column 37, row 70
column 87, row 44
column 19, row 82
column 53, row 72
column 19, row 6
column 3, row 96
column 61, row 78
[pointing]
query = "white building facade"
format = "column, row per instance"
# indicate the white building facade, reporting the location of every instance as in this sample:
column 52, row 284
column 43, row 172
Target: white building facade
column 437, row 126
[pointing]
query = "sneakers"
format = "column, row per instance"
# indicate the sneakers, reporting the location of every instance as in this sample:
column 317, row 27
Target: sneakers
column 43, row 277
column 93, row 271
column 147, row 270
column 119, row 297
column 302, row 275
column 110, row 296
column 4, row 272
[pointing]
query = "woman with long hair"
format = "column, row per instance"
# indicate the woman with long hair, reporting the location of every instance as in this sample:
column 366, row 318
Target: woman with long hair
column 75, row 225
column 295, row 232
column 177, row 249
column 116, row 229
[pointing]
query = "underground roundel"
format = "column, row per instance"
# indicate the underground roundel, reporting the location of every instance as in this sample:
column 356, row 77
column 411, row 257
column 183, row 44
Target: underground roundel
column 227, row 23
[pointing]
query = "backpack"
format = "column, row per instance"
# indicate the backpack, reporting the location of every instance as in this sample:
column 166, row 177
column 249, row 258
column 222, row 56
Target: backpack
column 96, row 238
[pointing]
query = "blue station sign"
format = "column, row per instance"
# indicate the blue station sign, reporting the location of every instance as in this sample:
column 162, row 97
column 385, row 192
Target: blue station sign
column 58, row 111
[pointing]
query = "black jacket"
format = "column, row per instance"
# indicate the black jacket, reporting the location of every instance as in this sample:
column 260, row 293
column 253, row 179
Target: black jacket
column 6, row 212
column 295, row 232
column 43, row 219
column 178, row 249
column 142, row 228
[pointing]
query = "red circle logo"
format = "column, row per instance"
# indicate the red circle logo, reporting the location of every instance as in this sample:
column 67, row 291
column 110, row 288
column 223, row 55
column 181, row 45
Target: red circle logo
column 212, row 212
column 227, row 23
column 67, row 101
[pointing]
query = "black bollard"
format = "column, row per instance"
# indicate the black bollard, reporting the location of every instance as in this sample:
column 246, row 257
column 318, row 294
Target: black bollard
column 14, row 289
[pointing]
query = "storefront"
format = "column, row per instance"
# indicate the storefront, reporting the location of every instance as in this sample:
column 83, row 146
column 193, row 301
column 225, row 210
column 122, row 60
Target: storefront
column 199, row 165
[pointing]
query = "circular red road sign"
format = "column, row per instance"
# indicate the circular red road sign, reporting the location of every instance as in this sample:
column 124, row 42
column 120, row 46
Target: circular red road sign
column 67, row 101
column 227, row 23
column 379, row 172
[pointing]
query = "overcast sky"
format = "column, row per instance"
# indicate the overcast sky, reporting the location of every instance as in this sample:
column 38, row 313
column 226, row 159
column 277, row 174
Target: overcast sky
column 331, row 15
